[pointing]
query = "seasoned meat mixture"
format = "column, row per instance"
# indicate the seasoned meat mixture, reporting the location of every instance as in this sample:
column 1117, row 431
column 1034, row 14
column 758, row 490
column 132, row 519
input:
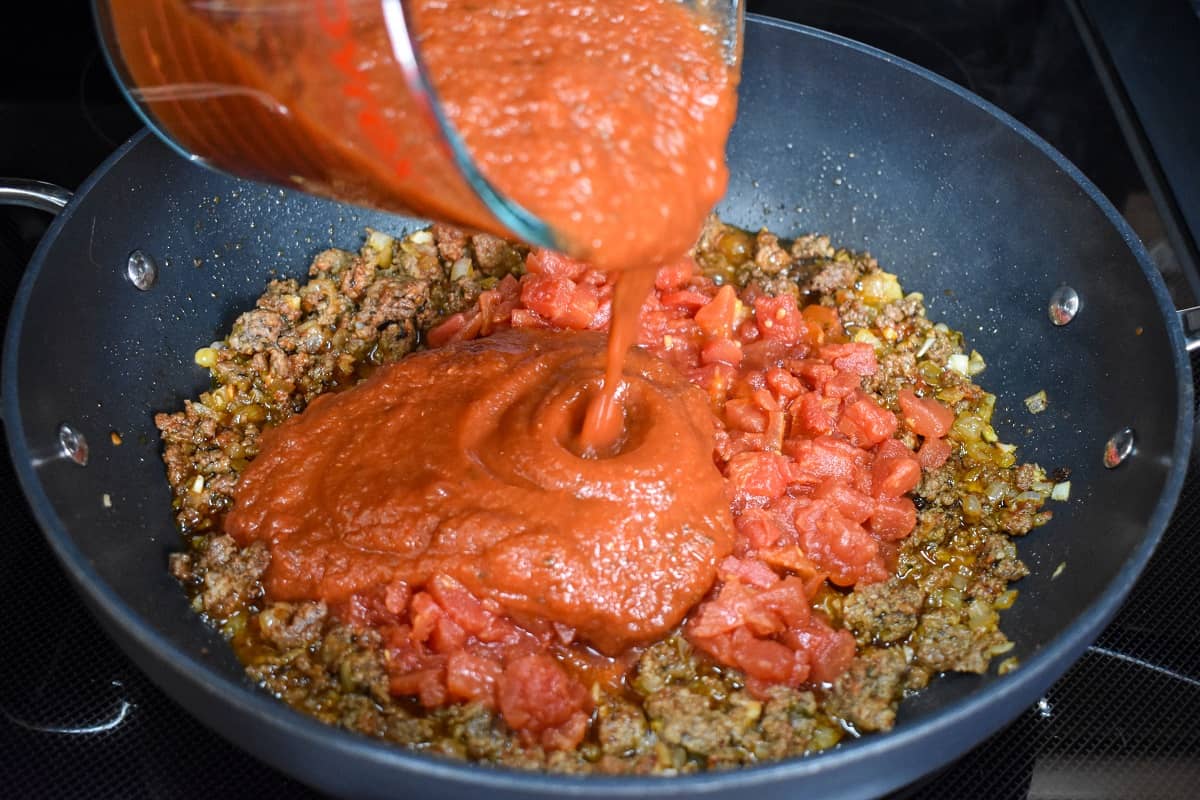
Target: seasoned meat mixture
column 922, row 599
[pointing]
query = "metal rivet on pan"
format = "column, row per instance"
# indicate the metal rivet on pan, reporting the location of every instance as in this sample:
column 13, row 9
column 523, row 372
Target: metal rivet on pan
column 1119, row 447
column 142, row 270
column 72, row 444
column 1064, row 305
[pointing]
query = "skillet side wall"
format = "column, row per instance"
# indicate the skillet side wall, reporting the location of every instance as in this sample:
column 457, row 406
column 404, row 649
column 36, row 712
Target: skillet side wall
column 944, row 193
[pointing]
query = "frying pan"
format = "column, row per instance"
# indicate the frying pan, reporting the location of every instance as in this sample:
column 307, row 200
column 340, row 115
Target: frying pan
column 960, row 200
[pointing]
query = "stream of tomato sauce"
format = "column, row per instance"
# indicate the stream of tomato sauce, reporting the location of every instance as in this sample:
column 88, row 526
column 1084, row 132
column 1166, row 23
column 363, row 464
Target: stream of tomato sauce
column 606, row 120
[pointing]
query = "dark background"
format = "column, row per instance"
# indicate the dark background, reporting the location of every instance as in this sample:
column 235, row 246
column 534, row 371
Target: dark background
column 1109, row 85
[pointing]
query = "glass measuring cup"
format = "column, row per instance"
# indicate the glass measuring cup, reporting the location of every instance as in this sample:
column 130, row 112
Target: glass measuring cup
column 327, row 96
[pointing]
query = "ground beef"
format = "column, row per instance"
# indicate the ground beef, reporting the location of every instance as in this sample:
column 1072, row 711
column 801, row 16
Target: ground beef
column 229, row 577
column 356, row 277
column 769, row 256
column 812, row 247
column 868, row 693
column 832, row 277
column 938, row 486
column 288, row 625
column 788, row 724
column 621, row 728
column 945, row 642
column 883, row 612
column 895, row 373
column 691, row 718
column 451, row 242
column 256, row 330
column 494, row 256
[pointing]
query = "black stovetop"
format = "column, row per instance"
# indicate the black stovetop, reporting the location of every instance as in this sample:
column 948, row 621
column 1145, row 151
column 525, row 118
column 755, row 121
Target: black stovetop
column 77, row 719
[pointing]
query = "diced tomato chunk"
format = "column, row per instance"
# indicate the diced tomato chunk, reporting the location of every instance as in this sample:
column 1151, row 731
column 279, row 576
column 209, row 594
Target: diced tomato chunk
column 925, row 416
column 789, row 599
column 821, row 458
column 542, row 703
column 675, row 275
column 841, row 385
column 829, row 650
column 428, row 685
column 724, row 351
column 444, row 331
column 424, row 613
column 866, row 422
column 894, row 475
column 472, row 678
column 749, row 570
column 813, row 372
column 854, row 357
column 745, row 415
column 844, row 550
column 893, row 518
column 850, row 503
column 779, row 319
column 458, row 603
column 547, row 294
column 527, row 318
column 759, row 475
column 554, row 265
column 396, row 597
column 736, row 604
column 759, row 528
column 933, row 453
column 765, row 659
column 823, row 323
column 689, row 299
column 784, row 383
column 717, row 317
column 814, row 414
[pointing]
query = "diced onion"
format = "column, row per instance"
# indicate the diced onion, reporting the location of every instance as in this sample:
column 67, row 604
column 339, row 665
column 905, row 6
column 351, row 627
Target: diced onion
column 928, row 343
column 975, row 363
column 960, row 363
column 1005, row 600
column 206, row 357
column 1061, row 491
column 461, row 269
column 381, row 246
column 1036, row 403
column 422, row 237
column 864, row 336
column 972, row 508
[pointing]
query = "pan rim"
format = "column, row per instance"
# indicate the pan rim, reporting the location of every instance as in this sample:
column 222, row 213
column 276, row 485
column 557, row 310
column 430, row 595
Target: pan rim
column 1015, row 692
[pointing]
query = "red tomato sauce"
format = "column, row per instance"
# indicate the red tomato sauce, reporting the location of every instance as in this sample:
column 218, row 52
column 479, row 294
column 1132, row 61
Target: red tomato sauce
column 445, row 501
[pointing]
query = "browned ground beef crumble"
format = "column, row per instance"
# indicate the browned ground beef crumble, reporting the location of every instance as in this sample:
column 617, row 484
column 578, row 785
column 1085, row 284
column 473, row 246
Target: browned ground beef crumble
column 680, row 712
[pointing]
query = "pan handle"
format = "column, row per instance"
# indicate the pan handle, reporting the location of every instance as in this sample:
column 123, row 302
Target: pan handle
column 1190, row 319
column 33, row 194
